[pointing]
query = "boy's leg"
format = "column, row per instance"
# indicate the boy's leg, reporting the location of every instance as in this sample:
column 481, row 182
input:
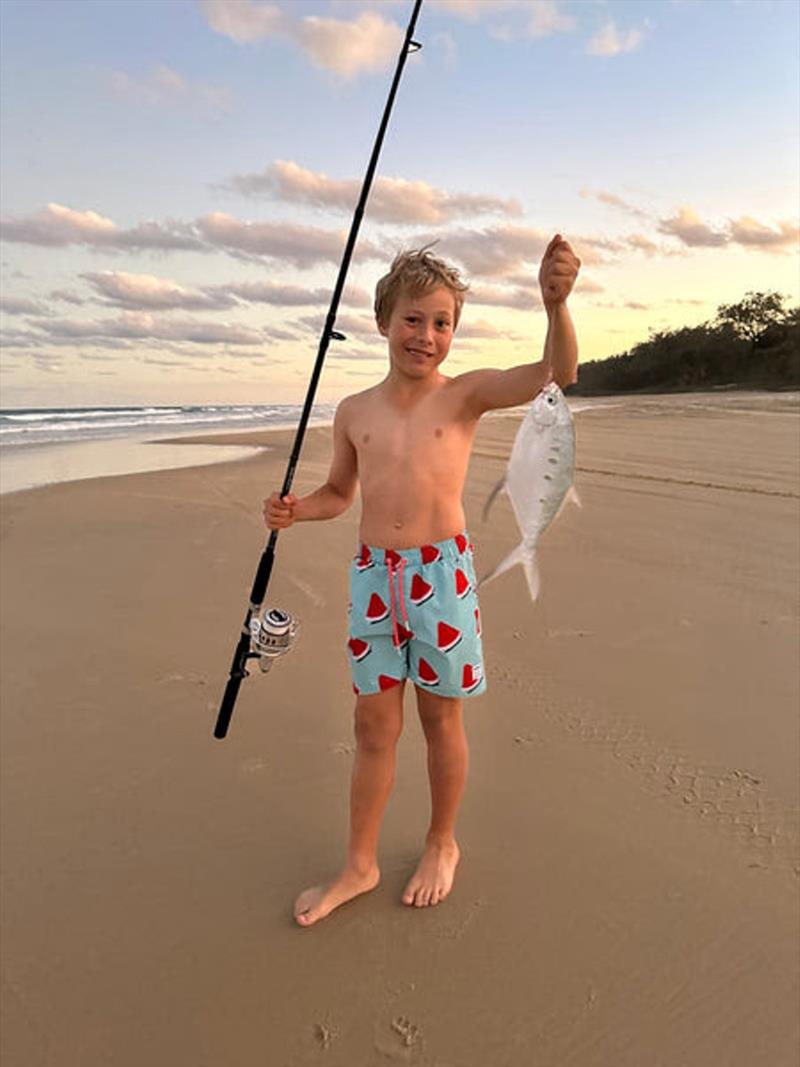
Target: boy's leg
column 378, row 724
column 448, row 758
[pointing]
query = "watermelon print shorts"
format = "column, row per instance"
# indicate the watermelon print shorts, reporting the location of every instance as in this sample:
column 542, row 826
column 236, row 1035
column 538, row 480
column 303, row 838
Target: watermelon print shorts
column 414, row 614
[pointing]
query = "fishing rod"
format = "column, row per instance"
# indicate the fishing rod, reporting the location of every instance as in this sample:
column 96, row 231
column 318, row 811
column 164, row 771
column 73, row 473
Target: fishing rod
column 272, row 635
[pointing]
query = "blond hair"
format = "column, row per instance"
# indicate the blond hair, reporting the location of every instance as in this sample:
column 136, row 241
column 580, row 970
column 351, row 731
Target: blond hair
column 415, row 272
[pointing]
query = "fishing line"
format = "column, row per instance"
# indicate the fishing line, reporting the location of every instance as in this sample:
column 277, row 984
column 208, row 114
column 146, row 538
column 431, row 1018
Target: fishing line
column 271, row 636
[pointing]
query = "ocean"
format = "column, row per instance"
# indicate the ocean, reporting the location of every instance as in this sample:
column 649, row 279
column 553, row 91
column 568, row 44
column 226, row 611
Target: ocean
column 40, row 446
column 35, row 426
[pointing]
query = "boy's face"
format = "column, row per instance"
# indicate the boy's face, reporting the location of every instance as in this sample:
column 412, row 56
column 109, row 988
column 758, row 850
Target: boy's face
column 419, row 331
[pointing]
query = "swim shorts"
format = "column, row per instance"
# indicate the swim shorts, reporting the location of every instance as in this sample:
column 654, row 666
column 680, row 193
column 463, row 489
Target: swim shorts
column 414, row 614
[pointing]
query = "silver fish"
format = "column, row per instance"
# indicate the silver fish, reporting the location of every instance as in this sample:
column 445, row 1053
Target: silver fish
column 538, row 479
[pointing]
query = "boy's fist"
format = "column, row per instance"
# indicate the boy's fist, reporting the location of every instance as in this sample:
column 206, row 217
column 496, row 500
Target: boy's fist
column 558, row 271
column 279, row 514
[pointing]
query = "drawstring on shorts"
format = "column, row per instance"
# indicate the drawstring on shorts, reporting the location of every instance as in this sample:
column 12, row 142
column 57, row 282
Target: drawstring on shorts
column 396, row 569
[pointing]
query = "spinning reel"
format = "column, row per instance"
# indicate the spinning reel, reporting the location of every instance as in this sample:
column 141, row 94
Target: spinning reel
column 271, row 636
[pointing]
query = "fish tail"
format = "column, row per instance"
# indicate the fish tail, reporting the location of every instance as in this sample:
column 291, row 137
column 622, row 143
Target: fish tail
column 531, row 568
column 521, row 554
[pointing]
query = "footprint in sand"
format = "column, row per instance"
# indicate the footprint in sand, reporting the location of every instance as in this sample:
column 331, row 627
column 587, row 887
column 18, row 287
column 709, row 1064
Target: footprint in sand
column 343, row 748
column 406, row 1030
column 325, row 1035
column 732, row 799
column 405, row 1039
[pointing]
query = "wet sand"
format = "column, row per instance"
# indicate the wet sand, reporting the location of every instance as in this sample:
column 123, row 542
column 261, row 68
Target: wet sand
column 628, row 891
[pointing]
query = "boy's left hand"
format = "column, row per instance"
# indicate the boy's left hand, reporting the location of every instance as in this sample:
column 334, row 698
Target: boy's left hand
column 558, row 272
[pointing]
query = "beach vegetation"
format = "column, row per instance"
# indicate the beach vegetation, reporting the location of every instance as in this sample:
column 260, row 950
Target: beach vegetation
column 753, row 344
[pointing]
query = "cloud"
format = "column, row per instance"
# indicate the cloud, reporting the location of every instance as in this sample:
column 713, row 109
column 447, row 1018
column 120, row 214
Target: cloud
column 57, row 225
column 539, row 18
column 303, row 246
column 546, row 19
column 519, row 298
column 18, row 306
column 144, row 291
column 643, row 244
column 391, row 199
column 242, row 20
column 67, row 296
column 479, row 329
column 615, row 201
column 291, row 295
column 141, row 325
column 163, row 85
column 749, row 232
column 367, row 43
column 148, row 292
column 610, row 42
column 362, row 327
column 689, row 229
column 586, row 285
column 492, row 252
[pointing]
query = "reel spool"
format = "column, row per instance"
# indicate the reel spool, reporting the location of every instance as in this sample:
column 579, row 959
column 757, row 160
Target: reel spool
column 272, row 636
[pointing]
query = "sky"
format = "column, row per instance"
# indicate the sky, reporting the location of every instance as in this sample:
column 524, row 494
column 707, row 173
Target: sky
column 177, row 180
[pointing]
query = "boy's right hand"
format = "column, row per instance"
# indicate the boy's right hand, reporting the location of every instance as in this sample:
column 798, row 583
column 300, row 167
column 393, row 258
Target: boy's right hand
column 279, row 513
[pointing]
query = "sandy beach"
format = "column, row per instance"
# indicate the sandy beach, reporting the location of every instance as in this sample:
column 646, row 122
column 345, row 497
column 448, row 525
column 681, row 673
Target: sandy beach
column 628, row 891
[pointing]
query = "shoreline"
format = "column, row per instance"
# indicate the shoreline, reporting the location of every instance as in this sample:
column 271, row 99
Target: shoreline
column 21, row 466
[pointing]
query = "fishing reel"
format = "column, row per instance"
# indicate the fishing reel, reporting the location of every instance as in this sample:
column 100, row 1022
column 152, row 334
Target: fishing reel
column 272, row 636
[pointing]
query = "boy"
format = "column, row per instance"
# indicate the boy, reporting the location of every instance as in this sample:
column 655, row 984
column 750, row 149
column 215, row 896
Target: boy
column 414, row 611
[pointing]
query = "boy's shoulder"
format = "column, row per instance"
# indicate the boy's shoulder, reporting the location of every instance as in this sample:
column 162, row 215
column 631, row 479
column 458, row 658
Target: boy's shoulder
column 353, row 401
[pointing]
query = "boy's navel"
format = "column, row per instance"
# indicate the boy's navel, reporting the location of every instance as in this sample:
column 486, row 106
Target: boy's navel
column 438, row 431
column 365, row 439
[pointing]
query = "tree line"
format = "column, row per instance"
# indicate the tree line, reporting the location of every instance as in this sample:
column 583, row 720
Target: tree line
column 754, row 344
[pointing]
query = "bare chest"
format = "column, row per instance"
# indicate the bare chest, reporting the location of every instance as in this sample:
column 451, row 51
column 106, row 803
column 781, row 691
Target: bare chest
column 432, row 440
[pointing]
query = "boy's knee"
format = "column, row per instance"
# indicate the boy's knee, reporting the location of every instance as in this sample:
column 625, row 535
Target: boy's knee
column 438, row 712
column 377, row 728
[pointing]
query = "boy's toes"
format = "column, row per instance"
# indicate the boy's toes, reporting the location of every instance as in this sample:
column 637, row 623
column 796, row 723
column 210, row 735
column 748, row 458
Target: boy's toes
column 308, row 908
column 411, row 892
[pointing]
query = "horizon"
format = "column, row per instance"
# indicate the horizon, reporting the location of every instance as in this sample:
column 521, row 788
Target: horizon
column 172, row 227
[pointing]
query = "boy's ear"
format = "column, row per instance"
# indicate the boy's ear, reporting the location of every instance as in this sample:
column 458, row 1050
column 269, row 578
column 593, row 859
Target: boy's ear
column 382, row 328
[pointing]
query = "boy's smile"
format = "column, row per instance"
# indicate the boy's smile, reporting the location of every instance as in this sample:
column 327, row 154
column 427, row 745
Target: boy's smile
column 420, row 331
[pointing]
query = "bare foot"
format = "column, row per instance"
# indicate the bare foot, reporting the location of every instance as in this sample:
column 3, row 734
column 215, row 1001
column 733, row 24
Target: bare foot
column 315, row 903
column 433, row 878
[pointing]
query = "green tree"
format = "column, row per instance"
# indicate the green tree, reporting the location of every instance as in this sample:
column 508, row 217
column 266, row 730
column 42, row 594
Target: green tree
column 753, row 316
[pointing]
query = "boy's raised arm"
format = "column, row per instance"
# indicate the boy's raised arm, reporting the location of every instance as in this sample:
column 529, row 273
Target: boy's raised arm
column 489, row 389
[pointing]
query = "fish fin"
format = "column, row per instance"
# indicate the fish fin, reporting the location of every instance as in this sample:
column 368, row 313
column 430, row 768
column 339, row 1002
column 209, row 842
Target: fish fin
column 570, row 495
column 515, row 556
column 490, row 499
